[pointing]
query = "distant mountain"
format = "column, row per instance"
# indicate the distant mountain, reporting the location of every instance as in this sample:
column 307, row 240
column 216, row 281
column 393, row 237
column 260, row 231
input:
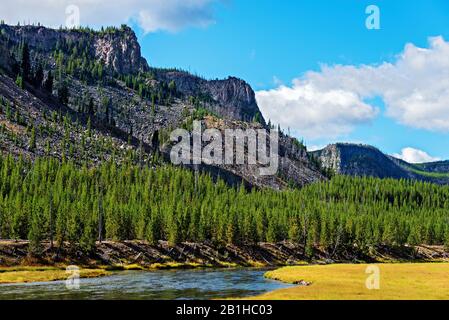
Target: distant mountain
column 434, row 167
column 364, row 160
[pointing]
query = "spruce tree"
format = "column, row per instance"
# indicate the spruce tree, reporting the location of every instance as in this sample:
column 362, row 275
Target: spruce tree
column 63, row 93
column 33, row 139
column 48, row 84
column 25, row 65
column 38, row 76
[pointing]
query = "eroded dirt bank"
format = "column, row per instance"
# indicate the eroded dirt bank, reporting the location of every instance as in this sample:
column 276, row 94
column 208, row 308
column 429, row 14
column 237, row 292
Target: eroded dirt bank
column 137, row 253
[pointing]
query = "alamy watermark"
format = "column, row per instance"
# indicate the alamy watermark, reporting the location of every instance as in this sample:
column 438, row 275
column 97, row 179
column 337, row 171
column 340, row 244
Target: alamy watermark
column 372, row 22
column 73, row 280
column 373, row 280
column 228, row 147
column 72, row 20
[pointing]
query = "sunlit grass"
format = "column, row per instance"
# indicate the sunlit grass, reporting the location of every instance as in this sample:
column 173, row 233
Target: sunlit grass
column 424, row 281
column 43, row 274
column 177, row 265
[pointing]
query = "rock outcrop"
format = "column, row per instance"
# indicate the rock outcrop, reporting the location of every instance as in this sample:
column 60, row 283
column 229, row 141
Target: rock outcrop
column 360, row 160
column 294, row 168
column 232, row 98
column 364, row 160
column 117, row 49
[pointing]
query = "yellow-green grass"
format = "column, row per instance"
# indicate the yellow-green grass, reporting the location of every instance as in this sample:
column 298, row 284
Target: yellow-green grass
column 177, row 265
column 44, row 274
column 423, row 281
column 159, row 266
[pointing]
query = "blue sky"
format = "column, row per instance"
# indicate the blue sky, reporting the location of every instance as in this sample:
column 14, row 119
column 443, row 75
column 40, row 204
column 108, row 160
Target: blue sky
column 259, row 39
column 383, row 94
column 266, row 42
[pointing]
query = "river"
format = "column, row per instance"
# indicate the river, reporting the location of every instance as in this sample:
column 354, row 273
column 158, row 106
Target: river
column 157, row 285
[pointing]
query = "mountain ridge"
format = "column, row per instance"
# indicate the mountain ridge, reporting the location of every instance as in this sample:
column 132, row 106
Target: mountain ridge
column 366, row 160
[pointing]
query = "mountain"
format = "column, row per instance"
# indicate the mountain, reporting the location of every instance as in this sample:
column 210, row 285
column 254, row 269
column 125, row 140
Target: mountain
column 434, row 167
column 89, row 96
column 231, row 98
column 364, row 160
column 117, row 49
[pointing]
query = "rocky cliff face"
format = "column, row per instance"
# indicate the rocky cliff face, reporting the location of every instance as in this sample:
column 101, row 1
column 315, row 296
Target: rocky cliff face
column 121, row 51
column 294, row 166
column 364, row 160
column 232, row 98
column 117, row 49
column 330, row 158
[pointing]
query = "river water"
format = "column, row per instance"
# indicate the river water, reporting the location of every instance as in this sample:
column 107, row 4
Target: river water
column 157, row 285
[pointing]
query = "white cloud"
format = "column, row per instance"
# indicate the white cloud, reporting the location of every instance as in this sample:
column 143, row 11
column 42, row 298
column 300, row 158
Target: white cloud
column 314, row 112
column 315, row 148
column 412, row 155
column 151, row 15
column 415, row 89
column 277, row 81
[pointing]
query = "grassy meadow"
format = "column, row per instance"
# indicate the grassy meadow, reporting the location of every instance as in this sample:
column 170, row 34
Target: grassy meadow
column 420, row 281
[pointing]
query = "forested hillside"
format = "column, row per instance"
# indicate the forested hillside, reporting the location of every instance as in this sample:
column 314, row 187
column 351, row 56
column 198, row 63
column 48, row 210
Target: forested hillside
column 50, row 200
column 89, row 95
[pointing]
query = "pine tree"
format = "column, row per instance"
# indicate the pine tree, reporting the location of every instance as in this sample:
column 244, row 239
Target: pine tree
column 310, row 244
column 446, row 237
column 89, row 128
column 63, row 93
column 33, row 139
column 25, row 65
column 8, row 110
column 91, row 107
column 48, row 84
column 19, row 81
column 257, row 118
column 35, row 235
column 39, row 76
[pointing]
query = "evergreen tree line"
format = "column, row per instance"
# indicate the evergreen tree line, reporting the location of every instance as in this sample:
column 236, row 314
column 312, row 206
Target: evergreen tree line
column 58, row 201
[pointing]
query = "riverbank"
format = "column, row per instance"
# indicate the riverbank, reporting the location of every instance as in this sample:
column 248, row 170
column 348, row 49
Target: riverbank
column 188, row 254
column 139, row 255
column 402, row 281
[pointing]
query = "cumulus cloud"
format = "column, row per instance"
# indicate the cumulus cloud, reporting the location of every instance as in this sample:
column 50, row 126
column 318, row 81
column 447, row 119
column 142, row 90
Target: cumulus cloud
column 414, row 88
column 412, row 155
column 314, row 112
column 151, row 15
